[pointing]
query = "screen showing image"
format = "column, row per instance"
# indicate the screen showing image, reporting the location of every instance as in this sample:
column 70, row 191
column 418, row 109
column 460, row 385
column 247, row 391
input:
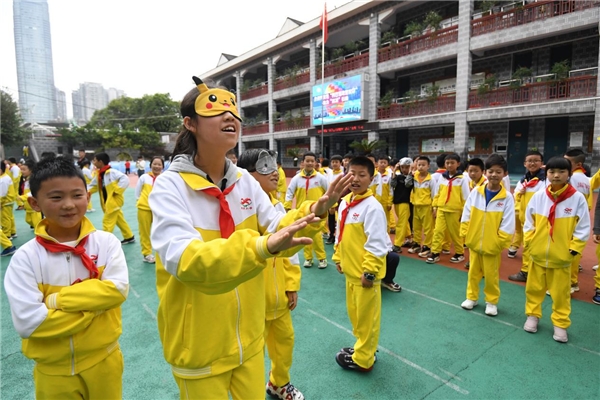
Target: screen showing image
column 337, row 101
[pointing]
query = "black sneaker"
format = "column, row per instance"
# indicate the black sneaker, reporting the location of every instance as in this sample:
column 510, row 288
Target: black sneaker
column 425, row 252
column 457, row 258
column 128, row 241
column 512, row 252
column 391, row 286
column 518, row 277
column 350, row 350
column 433, row 258
column 345, row 361
column 330, row 240
column 595, row 299
column 415, row 249
column 396, row 249
column 467, row 265
column 8, row 251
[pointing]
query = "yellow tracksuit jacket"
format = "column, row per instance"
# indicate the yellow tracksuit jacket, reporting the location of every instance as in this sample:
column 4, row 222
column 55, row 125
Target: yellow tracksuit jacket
column 8, row 194
column 582, row 184
column 115, row 183
column 488, row 229
column 317, row 186
column 281, row 184
column 521, row 200
column 66, row 327
column 32, row 217
column 421, row 194
column 211, row 313
column 451, row 198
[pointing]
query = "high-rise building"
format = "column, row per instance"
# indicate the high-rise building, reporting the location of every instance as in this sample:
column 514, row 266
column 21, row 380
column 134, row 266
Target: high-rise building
column 91, row 97
column 61, row 106
column 114, row 94
column 33, row 48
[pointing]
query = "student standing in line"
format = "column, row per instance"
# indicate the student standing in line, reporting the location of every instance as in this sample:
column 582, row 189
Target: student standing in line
column 401, row 193
column 282, row 283
column 142, row 191
column 487, row 224
column 309, row 185
column 32, row 217
column 65, row 289
column 440, row 161
column 111, row 185
column 557, row 227
column 596, row 298
column 362, row 244
column 475, row 177
column 421, row 198
column 8, row 194
column 336, row 171
column 281, row 183
column 87, row 174
column 214, row 229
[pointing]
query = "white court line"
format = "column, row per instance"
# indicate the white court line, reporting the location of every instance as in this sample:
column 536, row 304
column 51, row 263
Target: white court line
column 136, row 294
column 391, row 353
column 450, row 373
column 146, row 308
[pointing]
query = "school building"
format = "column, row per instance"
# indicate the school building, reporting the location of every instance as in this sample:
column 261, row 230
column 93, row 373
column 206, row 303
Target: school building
column 426, row 77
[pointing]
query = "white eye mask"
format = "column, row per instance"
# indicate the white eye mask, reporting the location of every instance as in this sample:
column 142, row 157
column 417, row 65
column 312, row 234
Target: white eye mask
column 266, row 164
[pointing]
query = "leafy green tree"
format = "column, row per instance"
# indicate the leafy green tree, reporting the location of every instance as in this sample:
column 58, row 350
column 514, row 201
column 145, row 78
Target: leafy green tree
column 11, row 130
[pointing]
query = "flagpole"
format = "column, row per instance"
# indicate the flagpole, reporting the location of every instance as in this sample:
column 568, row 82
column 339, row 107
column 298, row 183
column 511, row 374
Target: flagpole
column 323, row 80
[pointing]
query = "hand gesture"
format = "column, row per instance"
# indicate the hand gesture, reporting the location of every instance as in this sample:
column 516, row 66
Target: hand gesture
column 339, row 268
column 284, row 238
column 292, row 299
column 365, row 282
column 333, row 194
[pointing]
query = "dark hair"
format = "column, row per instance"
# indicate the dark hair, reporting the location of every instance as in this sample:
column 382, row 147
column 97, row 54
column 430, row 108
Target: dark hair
column 363, row 161
column 232, row 151
column 309, row 154
column 185, row 143
column 85, row 162
column 325, row 162
column 4, row 166
column 370, row 155
column 558, row 163
column 452, row 156
column 249, row 157
column 383, row 157
column 53, row 167
column 48, row 154
column 496, row 159
column 12, row 160
column 102, row 157
column 159, row 158
column 424, row 158
column 576, row 154
column 476, row 162
column 82, row 150
column 336, row 157
column 441, row 160
column 534, row 153
column 29, row 163
column 349, row 155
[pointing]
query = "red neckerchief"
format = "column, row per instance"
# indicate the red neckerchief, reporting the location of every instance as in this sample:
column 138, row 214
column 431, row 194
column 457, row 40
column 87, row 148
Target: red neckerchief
column 533, row 182
column 101, row 173
column 226, row 223
column 579, row 169
column 78, row 250
column 22, row 185
column 345, row 215
column 308, row 178
column 153, row 177
column 440, row 170
column 450, row 180
column 569, row 191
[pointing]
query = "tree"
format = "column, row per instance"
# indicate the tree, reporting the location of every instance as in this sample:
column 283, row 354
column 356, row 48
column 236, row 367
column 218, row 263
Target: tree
column 365, row 146
column 11, row 123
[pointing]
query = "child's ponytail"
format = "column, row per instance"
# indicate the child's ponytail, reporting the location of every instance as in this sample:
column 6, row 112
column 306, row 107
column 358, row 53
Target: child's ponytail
column 185, row 143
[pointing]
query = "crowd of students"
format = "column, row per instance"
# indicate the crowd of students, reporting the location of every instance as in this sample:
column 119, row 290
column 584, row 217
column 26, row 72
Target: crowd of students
column 193, row 214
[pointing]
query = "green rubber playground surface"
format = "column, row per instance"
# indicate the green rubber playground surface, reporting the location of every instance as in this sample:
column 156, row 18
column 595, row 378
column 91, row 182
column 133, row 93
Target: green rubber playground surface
column 429, row 347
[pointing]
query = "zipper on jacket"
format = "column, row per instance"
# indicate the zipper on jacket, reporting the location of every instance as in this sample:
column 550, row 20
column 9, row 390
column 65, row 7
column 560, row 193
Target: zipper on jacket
column 237, row 327
column 72, row 355
column 548, row 250
column 276, row 289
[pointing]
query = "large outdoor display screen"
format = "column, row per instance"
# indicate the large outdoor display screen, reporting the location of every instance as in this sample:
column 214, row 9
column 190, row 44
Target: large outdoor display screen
column 337, row 101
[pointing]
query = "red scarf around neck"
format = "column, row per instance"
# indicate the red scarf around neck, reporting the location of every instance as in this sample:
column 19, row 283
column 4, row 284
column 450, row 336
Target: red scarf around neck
column 78, row 250
column 226, row 223
column 568, row 192
column 345, row 215
column 308, row 178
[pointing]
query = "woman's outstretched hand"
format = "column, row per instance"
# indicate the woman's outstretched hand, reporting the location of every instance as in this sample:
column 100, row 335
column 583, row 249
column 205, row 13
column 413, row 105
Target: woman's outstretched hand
column 333, row 194
column 284, row 238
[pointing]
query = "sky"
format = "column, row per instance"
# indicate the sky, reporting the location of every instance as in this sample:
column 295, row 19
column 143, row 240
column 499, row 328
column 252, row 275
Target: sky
column 146, row 47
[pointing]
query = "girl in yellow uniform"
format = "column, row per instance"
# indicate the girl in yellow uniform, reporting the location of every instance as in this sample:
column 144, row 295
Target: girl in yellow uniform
column 32, row 217
column 142, row 191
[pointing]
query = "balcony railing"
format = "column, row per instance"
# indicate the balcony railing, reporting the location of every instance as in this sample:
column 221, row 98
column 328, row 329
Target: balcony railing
column 255, row 92
column 432, row 40
column 281, row 126
column 346, row 65
column 527, row 14
column 289, row 82
column 572, row 88
column 419, row 107
column 255, row 129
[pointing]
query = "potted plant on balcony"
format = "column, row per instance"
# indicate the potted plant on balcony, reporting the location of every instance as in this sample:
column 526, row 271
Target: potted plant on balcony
column 561, row 70
column 294, row 153
column 386, row 100
column 410, row 99
column 413, row 28
column 365, row 146
column 432, row 21
column 299, row 120
column 288, row 118
column 387, row 38
column 521, row 76
column 337, row 54
column 246, row 85
column 350, row 49
column 433, row 93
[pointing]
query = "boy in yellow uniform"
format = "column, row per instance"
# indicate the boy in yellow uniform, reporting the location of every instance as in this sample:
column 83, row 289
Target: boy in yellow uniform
column 87, row 174
column 336, row 170
column 65, row 289
column 487, row 224
column 15, row 174
column 440, row 162
column 309, row 185
column 402, row 188
column 582, row 184
column 7, row 200
column 449, row 201
column 282, row 283
column 143, row 188
column 361, row 249
column 475, row 177
column 32, row 217
column 421, row 198
column 110, row 185
column 281, row 183
column 533, row 181
column 383, row 167
column 557, row 226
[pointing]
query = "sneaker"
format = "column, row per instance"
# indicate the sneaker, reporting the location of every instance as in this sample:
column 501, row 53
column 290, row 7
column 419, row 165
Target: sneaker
column 90, row 210
column 595, row 267
column 467, row 265
column 408, row 243
column 415, row 249
column 330, row 240
column 14, row 236
column 8, row 251
column 491, row 309
column 596, row 298
column 393, row 286
column 560, row 335
column 128, row 241
column 307, row 263
column 396, row 249
column 350, row 350
column 433, row 258
column 531, row 324
column 425, row 252
column 457, row 258
column 285, row 392
column 574, row 288
column 445, row 251
column 149, row 259
column 322, row 264
column 518, row 277
column 345, row 361
column 512, row 252
column 468, row 304
column 580, row 268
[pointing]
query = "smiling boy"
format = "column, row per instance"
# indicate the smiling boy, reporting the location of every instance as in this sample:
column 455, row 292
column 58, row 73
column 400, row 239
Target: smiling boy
column 65, row 289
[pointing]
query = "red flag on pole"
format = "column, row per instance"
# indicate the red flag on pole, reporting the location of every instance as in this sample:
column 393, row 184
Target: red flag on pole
column 323, row 23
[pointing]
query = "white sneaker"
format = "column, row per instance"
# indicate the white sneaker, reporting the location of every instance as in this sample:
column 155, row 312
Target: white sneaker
column 322, row 263
column 307, row 263
column 287, row 392
column 575, row 288
column 531, row 324
column 595, row 267
column 468, row 304
column 560, row 335
column 149, row 259
column 491, row 309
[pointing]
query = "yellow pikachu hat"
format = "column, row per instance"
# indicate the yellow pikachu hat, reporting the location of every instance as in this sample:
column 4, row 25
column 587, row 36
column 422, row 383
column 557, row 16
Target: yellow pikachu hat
column 213, row 102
